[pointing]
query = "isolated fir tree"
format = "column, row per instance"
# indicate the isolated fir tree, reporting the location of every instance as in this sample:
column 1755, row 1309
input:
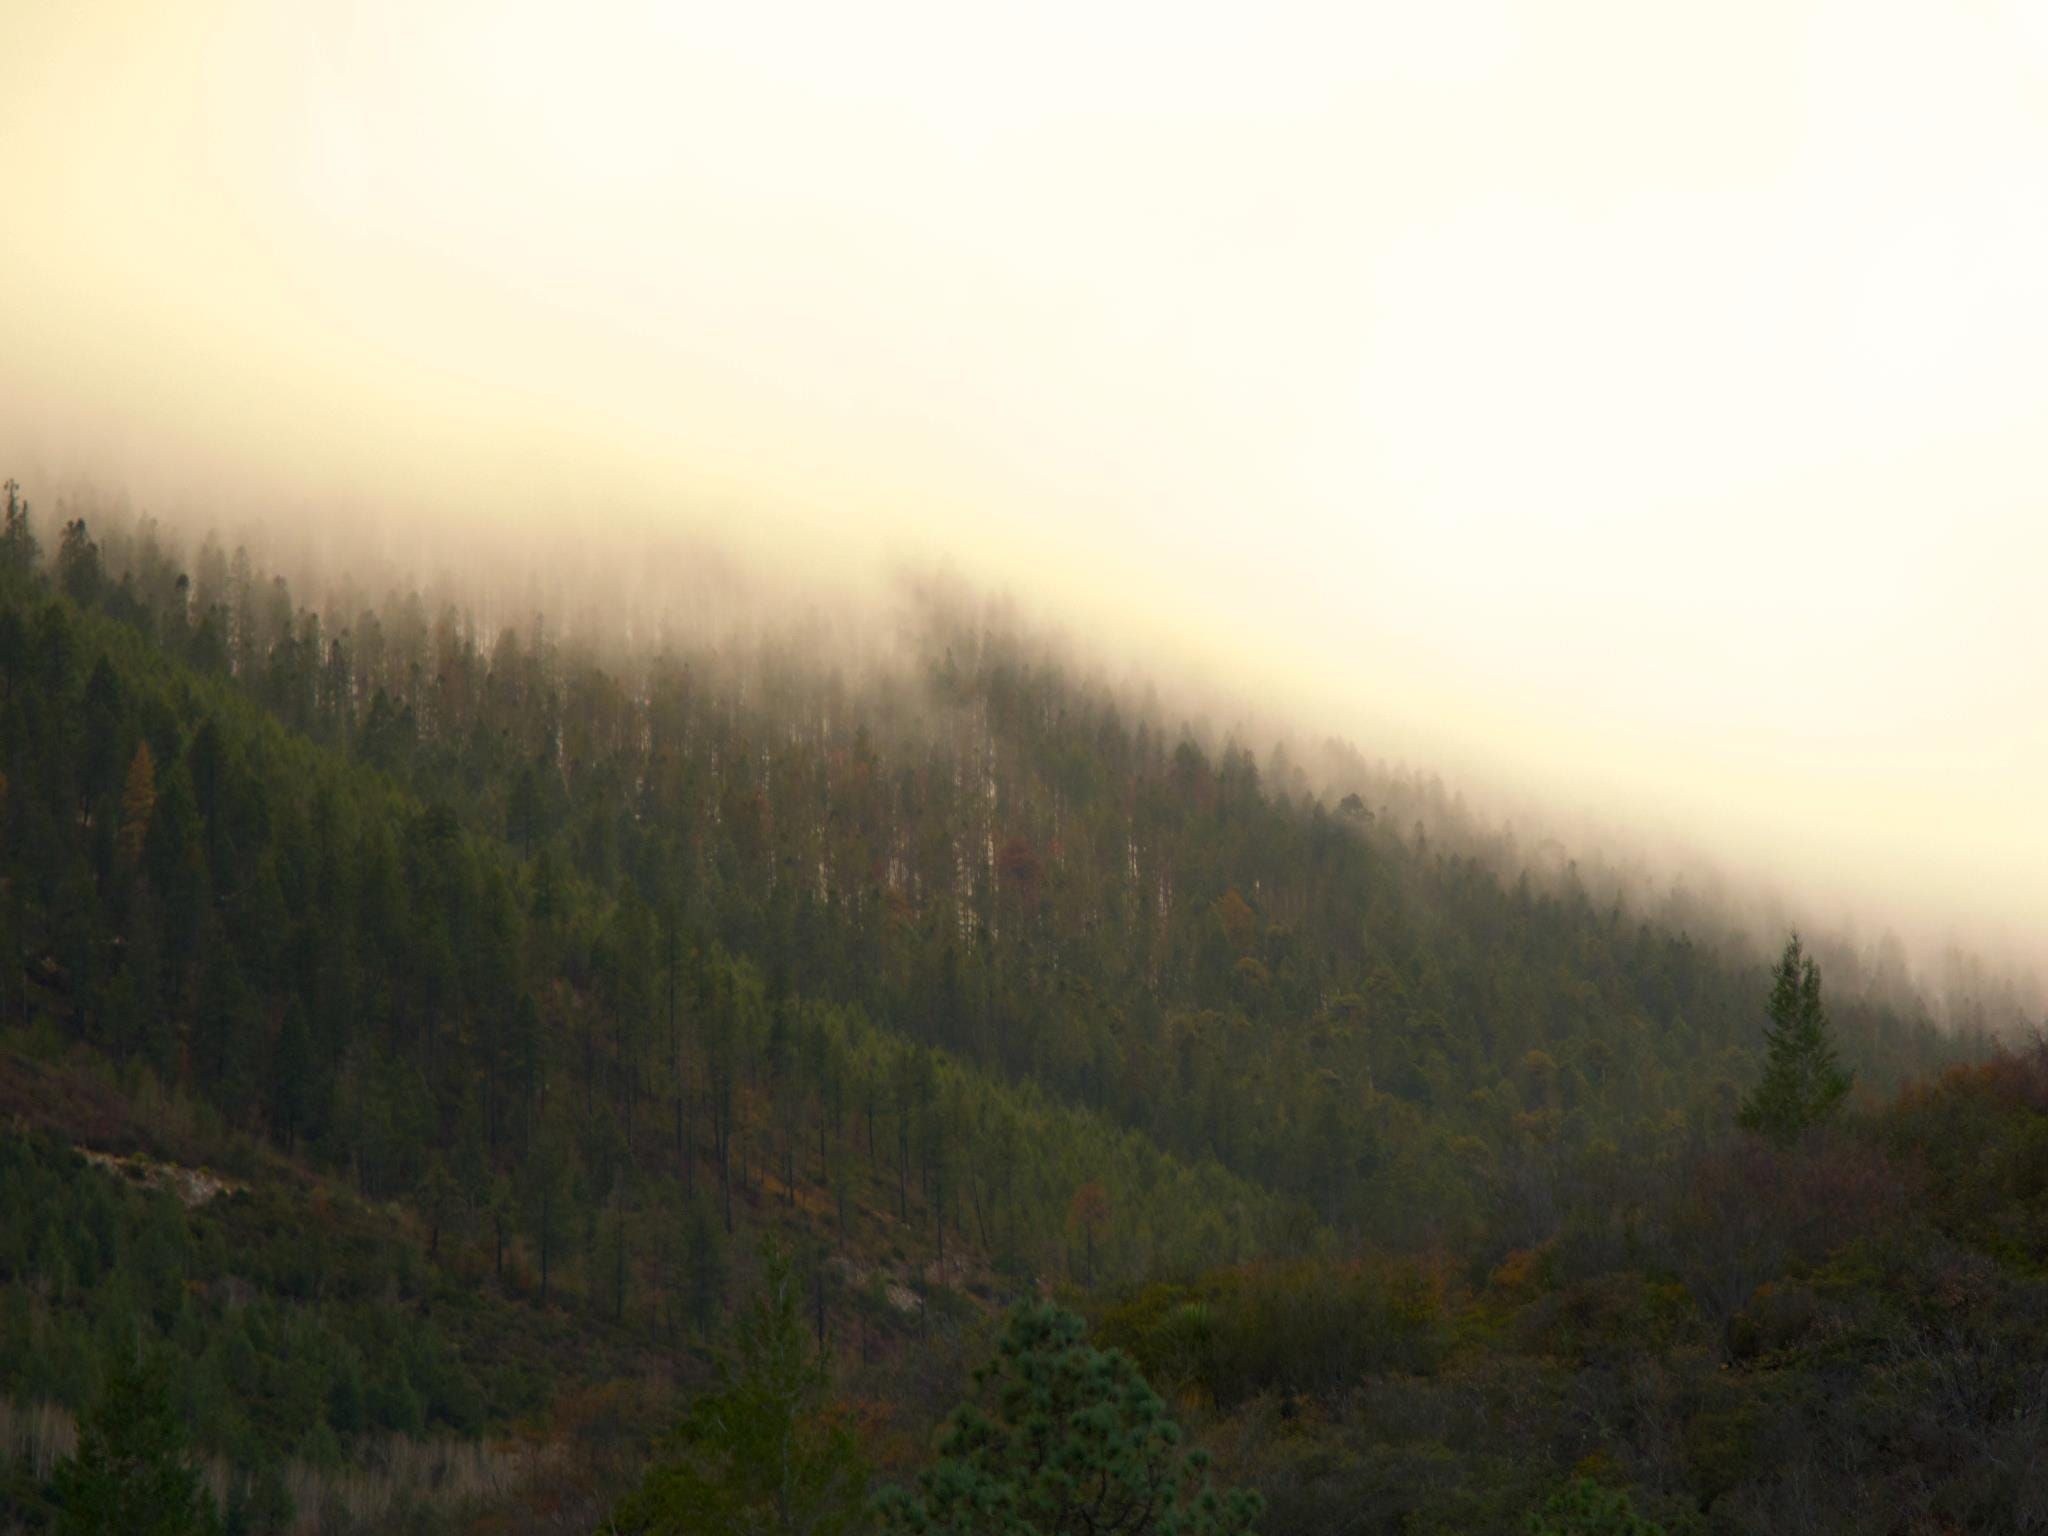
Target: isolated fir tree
column 1077, row 1442
column 1803, row 1081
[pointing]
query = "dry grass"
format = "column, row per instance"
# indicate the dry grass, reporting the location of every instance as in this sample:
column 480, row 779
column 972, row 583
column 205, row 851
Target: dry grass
column 40, row 1434
column 384, row 1479
column 397, row 1474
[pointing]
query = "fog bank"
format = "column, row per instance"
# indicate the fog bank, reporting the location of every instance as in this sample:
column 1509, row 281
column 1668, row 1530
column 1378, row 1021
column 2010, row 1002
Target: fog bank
column 1633, row 419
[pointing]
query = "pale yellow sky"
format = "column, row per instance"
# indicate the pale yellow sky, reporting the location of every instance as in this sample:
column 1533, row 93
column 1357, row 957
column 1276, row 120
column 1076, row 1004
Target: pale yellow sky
column 1643, row 404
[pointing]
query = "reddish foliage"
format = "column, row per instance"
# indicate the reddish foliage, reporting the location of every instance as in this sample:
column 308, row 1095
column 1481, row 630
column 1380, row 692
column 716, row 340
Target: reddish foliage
column 1747, row 1212
column 1238, row 919
column 1017, row 864
column 2011, row 1080
column 70, row 1105
column 1521, row 1273
column 1090, row 1207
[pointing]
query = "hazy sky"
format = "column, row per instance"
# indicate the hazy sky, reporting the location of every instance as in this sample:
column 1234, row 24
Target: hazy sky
column 1640, row 402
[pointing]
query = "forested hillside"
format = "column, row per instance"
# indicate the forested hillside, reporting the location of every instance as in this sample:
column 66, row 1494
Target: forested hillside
column 513, row 985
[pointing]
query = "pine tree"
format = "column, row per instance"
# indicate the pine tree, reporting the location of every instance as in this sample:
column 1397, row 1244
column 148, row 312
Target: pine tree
column 550, row 1194
column 1078, row 1443
column 291, row 1075
column 138, row 801
column 764, row 1452
column 440, row 1201
column 504, row 1211
column 132, row 1475
column 1803, row 1082
column 703, row 1267
column 17, row 538
column 1584, row 1508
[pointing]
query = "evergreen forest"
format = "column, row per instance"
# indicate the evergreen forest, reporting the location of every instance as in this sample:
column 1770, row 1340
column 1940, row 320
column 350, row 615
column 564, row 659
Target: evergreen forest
column 464, row 1077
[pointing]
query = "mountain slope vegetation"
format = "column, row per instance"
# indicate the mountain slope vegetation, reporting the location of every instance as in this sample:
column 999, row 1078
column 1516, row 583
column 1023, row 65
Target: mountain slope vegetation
column 518, row 980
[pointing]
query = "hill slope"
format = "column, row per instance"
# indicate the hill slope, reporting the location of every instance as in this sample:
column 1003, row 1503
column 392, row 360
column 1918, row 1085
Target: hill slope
column 558, row 970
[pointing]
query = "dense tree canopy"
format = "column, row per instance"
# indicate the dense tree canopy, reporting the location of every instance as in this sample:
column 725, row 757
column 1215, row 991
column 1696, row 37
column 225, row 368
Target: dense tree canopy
column 514, row 983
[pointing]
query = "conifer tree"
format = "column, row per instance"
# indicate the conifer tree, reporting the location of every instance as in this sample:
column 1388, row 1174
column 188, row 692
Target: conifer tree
column 1803, row 1081
column 17, row 538
column 764, row 1452
column 1078, row 1442
column 138, row 801
column 1584, row 1508
column 703, row 1277
column 440, row 1200
column 549, row 1198
column 132, row 1475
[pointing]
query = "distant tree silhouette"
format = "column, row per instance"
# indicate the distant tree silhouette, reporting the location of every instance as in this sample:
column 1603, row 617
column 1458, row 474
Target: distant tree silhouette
column 1803, row 1082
